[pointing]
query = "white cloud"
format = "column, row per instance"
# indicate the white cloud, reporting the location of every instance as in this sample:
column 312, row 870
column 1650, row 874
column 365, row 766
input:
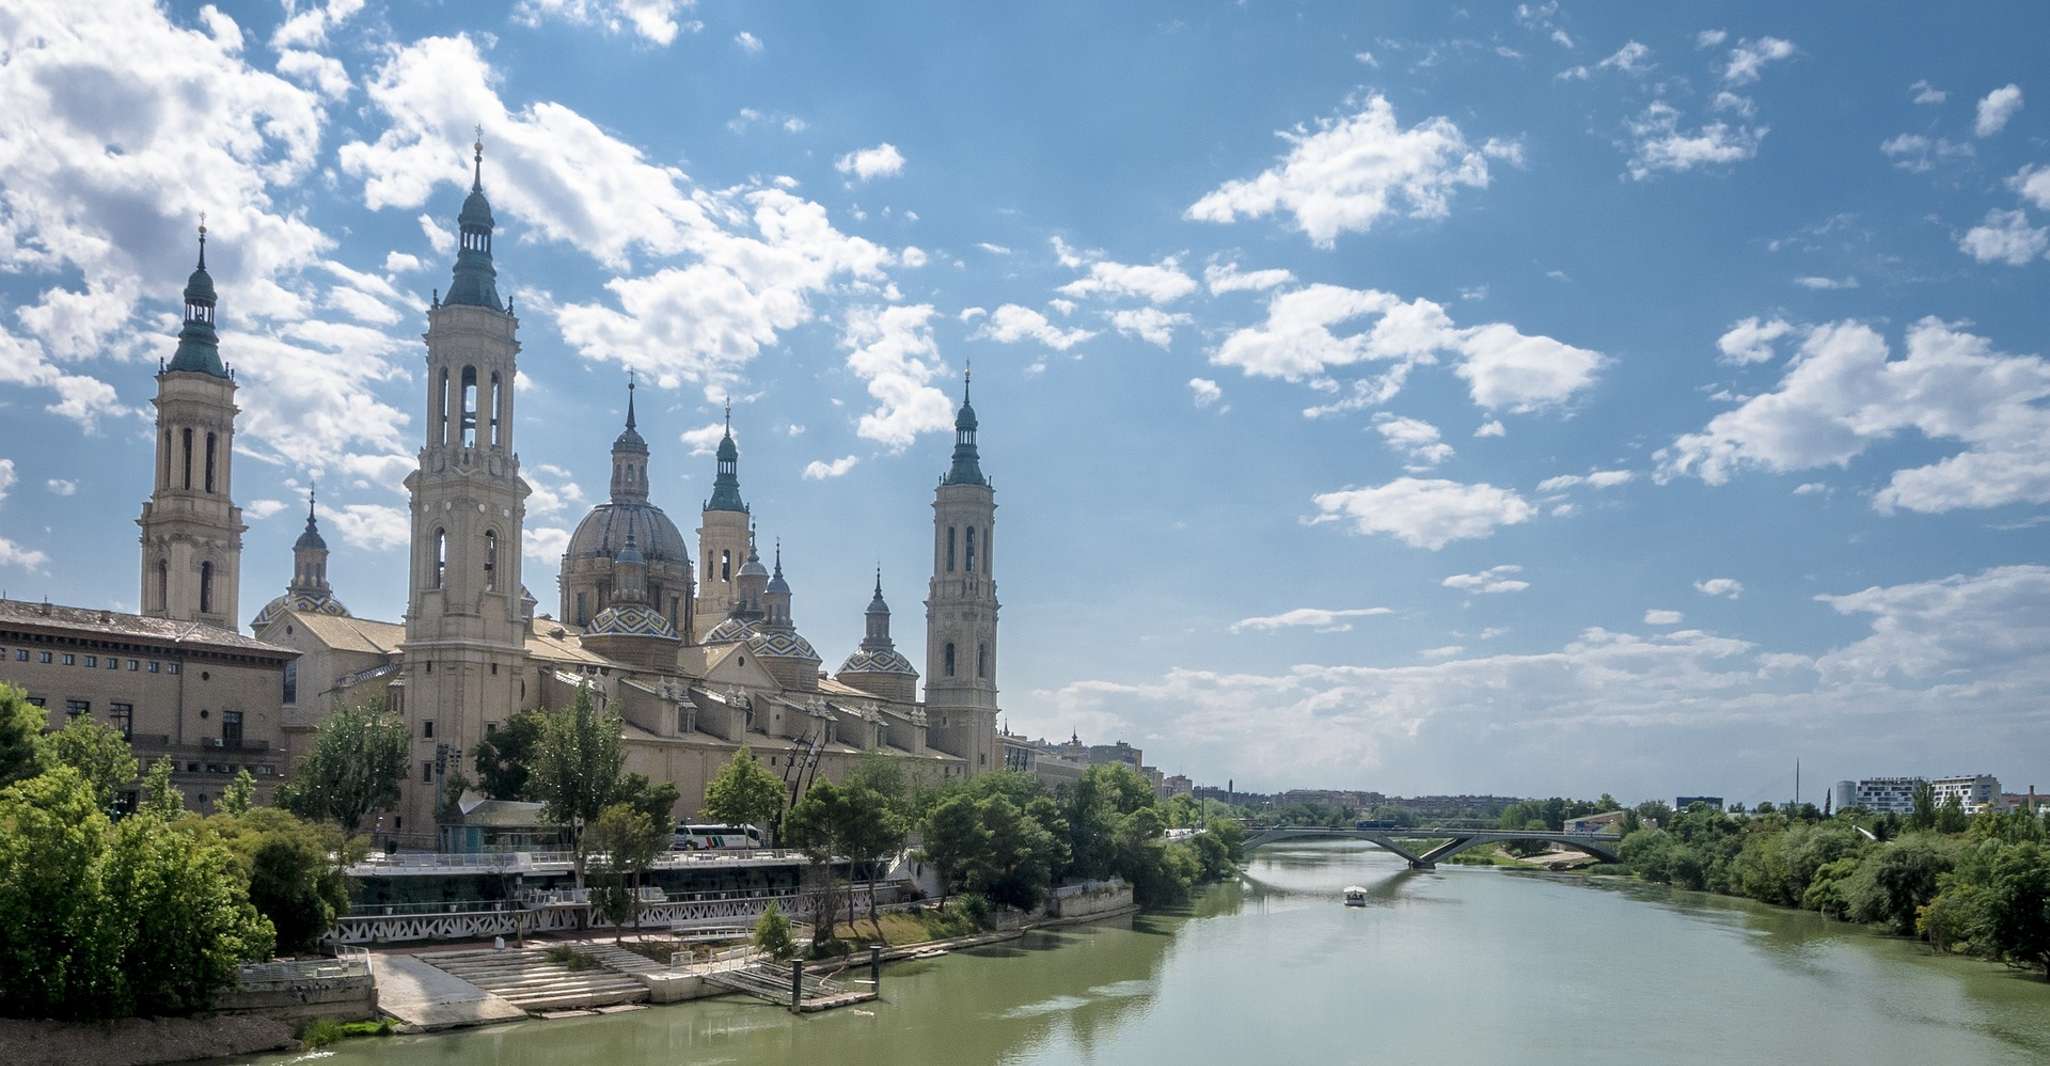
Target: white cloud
column 748, row 43
column 1205, row 392
column 1493, row 580
column 1925, row 93
column 324, row 73
column 12, row 554
column 1492, row 428
column 1013, row 324
column 704, row 440
column 308, row 28
column 1749, row 58
column 1366, row 58
column 1599, row 479
column 654, row 21
column 892, row 349
column 1918, row 154
column 553, row 491
column 867, row 164
column 1632, row 58
column 1710, row 38
column 370, row 526
column 7, row 478
column 1845, row 393
column 544, row 544
column 1504, row 369
column 1319, row 618
column 1413, row 438
column 993, row 249
column 1160, row 283
column 1728, row 587
column 61, row 487
column 912, row 256
column 1226, row 277
column 1657, row 617
column 1811, row 488
column 819, row 470
column 1996, row 108
column 1826, row 284
column 1149, row 324
column 259, row 509
column 1348, row 173
column 1425, row 513
column 400, row 263
column 2005, row 237
column 1751, row 340
column 1660, row 144
column 2033, row 183
column 438, row 236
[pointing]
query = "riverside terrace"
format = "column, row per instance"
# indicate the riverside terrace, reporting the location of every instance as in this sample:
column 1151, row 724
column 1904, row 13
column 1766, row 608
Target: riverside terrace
column 414, row 896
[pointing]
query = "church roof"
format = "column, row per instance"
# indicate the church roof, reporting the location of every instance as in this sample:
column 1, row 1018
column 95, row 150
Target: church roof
column 50, row 616
column 605, row 529
column 878, row 661
column 781, row 644
column 630, row 620
column 476, row 281
column 305, row 602
column 199, row 347
column 346, row 633
column 730, row 631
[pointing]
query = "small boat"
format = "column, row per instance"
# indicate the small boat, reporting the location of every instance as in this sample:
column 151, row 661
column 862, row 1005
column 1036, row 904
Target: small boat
column 1355, row 896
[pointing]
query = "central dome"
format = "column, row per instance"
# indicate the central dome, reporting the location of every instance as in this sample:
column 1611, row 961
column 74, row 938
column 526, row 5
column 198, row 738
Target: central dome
column 603, row 532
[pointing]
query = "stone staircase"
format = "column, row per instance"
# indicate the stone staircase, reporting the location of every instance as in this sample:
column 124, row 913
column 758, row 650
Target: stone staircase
column 529, row 981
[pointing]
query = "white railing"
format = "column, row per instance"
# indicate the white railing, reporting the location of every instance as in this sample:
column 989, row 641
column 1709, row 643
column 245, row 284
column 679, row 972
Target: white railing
column 1083, row 887
column 533, row 860
column 269, row 975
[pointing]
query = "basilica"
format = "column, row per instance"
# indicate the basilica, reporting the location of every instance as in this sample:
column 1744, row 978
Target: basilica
column 700, row 659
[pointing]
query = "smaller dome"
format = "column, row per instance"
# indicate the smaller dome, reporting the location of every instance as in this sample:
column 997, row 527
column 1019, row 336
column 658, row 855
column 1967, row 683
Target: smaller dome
column 966, row 419
column 731, row 631
column 878, row 661
column 476, row 213
column 630, row 620
column 298, row 601
column 309, row 539
column 630, row 555
column 199, row 288
column 753, row 567
column 728, row 451
column 781, row 644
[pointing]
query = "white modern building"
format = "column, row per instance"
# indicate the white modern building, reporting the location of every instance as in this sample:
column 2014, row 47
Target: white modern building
column 1974, row 792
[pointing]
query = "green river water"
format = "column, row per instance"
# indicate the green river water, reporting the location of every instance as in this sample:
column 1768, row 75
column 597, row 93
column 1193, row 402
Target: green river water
column 1451, row 966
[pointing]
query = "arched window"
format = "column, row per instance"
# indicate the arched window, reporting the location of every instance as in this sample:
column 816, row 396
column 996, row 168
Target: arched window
column 583, row 609
column 163, row 585
column 982, row 660
column 950, row 549
column 440, row 556
column 441, row 408
column 725, row 565
column 206, row 588
column 970, row 557
column 166, row 483
column 950, row 659
column 469, row 427
column 491, row 560
column 211, row 455
column 185, row 437
column 497, row 407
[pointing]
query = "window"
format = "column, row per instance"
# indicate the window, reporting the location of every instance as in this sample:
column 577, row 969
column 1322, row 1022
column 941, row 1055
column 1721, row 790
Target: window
column 982, row 660
column 92, row 662
column 989, row 547
column 231, row 727
column 291, row 692
column 970, row 556
column 43, row 657
column 427, row 729
column 490, row 560
column 70, row 659
column 122, row 717
column 441, row 408
column 210, row 458
column 725, row 565
column 176, row 669
column 583, row 608
column 469, row 426
column 497, row 405
column 950, row 659
column 427, row 770
column 155, row 666
column 950, row 549
column 77, row 708
column 21, row 655
column 206, row 588
column 185, row 436
column 163, row 585
column 134, row 665
column 440, row 556
column 35, row 701
column 115, row 664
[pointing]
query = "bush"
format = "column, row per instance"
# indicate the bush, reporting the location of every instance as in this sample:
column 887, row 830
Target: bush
column 320, row 1032
column 570, row 958
column 975, row 907
column 772, row 933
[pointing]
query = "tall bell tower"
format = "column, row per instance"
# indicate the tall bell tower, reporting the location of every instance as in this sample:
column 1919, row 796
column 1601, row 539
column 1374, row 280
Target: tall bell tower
column 724, row 539
column 191, row 528
column 465, row 620
column 961, row 607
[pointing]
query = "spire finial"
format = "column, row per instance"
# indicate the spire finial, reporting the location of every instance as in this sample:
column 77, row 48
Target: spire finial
column 879, row 577
column 729, row 416
column 967, row 375
column 779, row 555
column 311, row 488
column 477, row 182
column 202, row 240
column 629, row 398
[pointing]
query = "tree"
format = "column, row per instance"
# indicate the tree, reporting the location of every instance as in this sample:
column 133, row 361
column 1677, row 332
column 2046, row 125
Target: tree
column 294, row 869
column 21, row 727
column 810, row 825
column 240, row 794
column 772, row 933
column 955, row 840
column 58, row 957
column 630, row 841
column 1904, row 878
column 744, row 792
column 2018, row 905
column 1951, row 817
column 657, row 801
column 358, row 758
column 869, row 833
column 505, row 757
column 99, row 753
column 576, row 769
column 1923, row 814
column 159, row 796
column 189, row 914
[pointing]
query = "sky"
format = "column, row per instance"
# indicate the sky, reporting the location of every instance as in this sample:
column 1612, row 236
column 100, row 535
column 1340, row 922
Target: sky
column 1539, row 399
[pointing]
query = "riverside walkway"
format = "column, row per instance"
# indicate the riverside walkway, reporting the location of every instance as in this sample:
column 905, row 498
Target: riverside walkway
column 1405, row 840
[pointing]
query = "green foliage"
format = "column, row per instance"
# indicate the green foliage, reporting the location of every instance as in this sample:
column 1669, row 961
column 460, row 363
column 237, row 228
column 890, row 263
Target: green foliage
column 576, row 768
column 505, row 757
column 99, row 753
column 21, row 729
column 293, row 867
column 320, row 1032
column 656, row 800
column 744, row 792
column 358, row 757
column 1951, row 817
column 102, row 920
column 975, row 907
column 2018, row 905
column 852, row 822
column 569, row 958
column 159, row 796
column 1923, row 814
column 629, row 840
column 772, row 933
column 240, row 794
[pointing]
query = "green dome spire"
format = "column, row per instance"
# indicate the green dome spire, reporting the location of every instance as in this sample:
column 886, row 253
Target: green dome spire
column 726, row 486
column 476, row 280
column 199, row 347
column 967, row 468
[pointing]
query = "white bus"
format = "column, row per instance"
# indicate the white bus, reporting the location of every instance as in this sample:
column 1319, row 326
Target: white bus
column 716, row 837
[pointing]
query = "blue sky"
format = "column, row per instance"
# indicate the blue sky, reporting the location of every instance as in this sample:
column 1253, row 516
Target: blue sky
column 1542, row 398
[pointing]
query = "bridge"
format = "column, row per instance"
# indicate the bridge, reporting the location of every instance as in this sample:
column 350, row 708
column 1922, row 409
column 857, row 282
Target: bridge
column 1404, row 840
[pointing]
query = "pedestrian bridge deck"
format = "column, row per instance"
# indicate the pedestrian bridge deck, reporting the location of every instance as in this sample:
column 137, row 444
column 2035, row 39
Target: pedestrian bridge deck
column 1402, row 840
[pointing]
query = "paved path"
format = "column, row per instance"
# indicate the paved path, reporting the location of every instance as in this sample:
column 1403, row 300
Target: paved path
column 428, row 998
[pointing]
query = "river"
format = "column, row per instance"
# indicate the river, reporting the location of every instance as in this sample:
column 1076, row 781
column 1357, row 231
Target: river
column 1455, row 965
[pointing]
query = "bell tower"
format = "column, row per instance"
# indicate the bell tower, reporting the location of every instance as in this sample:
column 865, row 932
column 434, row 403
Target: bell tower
column 724, row 543
column 191, row 528
column 961, row 607
column 465, row 621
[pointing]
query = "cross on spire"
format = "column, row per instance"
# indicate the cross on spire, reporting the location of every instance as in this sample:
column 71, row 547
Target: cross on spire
column 629, row 398
column 202, row 240
column 477, row 182
column 967, row 375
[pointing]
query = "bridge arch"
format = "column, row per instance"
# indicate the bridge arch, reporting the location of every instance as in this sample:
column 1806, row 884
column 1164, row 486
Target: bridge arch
column 1455, row 840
